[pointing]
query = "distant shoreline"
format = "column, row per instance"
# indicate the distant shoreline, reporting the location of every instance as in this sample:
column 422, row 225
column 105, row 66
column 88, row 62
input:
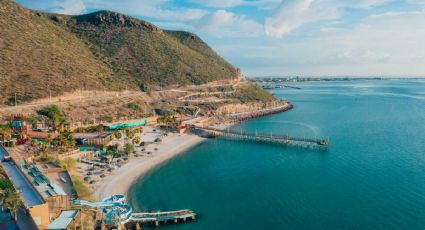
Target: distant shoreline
column 325, row 79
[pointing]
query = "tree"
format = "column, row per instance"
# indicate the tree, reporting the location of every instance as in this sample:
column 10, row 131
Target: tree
column 138, row 130
column 32, row 120
column 136, row 140
column 129, row 133
column 117, row 134
column 128, row 148
column 100, row 128
column 33, row 143
column 5, row 133
column 46, row 144
column 12, row 201
column 54, row 115
column 64, row 140
column 112, row 150
column 2, row 196
column 168, row 119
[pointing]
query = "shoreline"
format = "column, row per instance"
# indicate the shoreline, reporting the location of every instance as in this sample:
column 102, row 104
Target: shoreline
column 122, row 179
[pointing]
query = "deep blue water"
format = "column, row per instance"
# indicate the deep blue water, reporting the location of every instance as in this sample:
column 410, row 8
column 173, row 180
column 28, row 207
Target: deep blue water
column 372, row 176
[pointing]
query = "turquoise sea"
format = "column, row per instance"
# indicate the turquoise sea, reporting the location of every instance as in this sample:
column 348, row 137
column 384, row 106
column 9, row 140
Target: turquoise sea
column 372, row 176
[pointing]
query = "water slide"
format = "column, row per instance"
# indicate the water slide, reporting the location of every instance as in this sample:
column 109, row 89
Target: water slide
column 110, row 201
column 99, row 204
column 117, row 211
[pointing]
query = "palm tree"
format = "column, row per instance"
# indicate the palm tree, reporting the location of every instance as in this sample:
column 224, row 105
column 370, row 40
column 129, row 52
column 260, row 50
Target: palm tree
column 167, row 120
column 2, row 196
column 128, row 148
column 136, row 140
column 117, row 134
column 12, row 201
column 5, row 133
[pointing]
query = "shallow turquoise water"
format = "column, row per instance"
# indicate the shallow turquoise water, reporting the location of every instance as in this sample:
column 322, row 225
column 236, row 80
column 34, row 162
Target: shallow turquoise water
column 372, row 177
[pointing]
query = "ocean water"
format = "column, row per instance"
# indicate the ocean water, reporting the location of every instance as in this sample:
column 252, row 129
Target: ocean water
column 372, row 176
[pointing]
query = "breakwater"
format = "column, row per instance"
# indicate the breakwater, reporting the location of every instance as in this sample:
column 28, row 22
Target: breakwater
column 237, row 117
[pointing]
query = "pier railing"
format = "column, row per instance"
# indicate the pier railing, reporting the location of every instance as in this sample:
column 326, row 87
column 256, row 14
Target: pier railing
column 280, row 139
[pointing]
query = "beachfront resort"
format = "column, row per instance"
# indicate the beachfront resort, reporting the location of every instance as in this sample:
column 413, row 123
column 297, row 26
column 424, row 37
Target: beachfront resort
column 59, row 174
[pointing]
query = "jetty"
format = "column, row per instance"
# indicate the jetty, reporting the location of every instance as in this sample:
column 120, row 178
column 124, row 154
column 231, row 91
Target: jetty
column 282, row 107
column 259, row 137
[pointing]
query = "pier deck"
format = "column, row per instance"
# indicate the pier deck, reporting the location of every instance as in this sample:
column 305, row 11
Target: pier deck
column 279, row 139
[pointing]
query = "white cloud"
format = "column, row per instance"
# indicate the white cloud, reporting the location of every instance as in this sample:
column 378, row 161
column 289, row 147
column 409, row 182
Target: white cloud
column 382, row 44
column 223, row 4
column 222, row 23
column 71, row 7
column 292, row 14
column 416, row 2
column 220, row 3
column 148, row 8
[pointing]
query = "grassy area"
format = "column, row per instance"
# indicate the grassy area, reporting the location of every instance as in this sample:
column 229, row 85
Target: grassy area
column 134, row 106
column 253, row 93
column 82, row 190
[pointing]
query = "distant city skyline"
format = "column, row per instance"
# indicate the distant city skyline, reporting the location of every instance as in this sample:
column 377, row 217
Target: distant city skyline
column 287, row 37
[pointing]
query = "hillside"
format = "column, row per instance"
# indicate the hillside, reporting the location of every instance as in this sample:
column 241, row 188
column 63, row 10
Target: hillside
column 42, row 54
column 37, row 56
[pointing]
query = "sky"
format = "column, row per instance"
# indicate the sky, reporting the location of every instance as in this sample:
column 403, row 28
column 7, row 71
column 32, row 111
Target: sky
column 287, row 37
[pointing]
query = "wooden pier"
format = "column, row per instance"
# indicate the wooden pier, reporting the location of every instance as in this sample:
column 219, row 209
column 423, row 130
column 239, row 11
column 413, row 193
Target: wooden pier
column 258, row 137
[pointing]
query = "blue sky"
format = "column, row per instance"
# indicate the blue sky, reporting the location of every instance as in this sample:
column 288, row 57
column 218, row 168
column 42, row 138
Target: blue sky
column 288, row 37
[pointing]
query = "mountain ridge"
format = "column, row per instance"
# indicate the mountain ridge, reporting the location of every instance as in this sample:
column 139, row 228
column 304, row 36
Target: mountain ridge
column 49, row 54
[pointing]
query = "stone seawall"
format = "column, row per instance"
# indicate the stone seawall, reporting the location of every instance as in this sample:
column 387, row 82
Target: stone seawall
column 237, row 117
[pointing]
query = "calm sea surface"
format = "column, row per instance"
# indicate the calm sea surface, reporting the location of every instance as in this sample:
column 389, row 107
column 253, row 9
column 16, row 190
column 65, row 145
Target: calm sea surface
column 372, row 176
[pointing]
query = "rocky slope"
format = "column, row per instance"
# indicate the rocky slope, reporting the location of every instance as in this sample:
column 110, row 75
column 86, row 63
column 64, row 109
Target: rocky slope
column 44, row 54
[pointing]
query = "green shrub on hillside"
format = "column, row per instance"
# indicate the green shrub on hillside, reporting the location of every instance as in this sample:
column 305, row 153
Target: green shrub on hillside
column 253, row 93
column 133, row 106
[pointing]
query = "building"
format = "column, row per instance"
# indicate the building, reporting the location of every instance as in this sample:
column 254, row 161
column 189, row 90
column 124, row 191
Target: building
column 18, row 126
column 42, row 199
column 129, row 124
column 64, row 220
column 51, row 193
column 33, row 202
column 93, row 139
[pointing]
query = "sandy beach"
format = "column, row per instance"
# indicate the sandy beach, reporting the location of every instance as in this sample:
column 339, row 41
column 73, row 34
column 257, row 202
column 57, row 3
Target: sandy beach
column 120, row 181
